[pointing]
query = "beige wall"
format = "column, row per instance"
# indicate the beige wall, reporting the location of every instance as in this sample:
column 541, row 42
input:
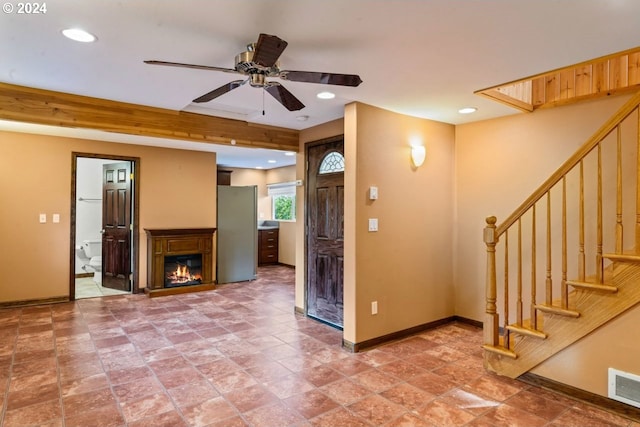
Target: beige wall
column 407, row 265
column 498, row 164
column 36, row 178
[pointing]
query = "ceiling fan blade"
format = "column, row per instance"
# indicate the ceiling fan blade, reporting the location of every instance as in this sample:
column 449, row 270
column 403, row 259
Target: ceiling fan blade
column 197, row 67
column 284, row 97
column 220, row 91
column 323, row 78
column 268, row 50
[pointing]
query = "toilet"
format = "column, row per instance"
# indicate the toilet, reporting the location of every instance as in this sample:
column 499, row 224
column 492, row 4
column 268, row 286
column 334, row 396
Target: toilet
column 90, row 252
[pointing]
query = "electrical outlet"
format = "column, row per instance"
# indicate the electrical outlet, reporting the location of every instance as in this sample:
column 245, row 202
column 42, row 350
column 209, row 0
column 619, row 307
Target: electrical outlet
column 374, row 307
column 55, row 218
column 373, row 224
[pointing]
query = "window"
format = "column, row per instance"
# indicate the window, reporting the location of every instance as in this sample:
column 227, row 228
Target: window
column 283, row 201
column 332, row 162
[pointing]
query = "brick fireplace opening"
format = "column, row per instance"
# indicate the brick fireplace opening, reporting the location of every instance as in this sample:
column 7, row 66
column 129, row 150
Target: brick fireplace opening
column 179, row 260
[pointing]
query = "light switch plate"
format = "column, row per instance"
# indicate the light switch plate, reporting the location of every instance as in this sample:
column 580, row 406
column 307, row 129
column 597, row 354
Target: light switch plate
column 43, row 218
column 373, row 193
column 373, row 224
column 55, row 218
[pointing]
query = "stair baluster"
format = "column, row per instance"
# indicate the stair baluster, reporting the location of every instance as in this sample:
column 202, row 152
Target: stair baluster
column 619, row 228
column 548, row 294
column 563, row 285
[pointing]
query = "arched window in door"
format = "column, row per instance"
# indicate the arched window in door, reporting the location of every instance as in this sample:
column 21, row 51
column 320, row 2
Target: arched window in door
column 332, row 162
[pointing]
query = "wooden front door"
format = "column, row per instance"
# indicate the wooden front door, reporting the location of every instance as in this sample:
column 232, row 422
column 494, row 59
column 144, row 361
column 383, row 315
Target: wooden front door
column 325, row 231
column 116, row 226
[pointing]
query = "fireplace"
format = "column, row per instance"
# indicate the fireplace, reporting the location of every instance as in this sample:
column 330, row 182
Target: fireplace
column 182, row 270
column 179, row 260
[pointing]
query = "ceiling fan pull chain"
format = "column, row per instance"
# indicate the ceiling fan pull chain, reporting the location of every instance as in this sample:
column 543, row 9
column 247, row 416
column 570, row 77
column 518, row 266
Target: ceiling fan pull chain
column 263, row 100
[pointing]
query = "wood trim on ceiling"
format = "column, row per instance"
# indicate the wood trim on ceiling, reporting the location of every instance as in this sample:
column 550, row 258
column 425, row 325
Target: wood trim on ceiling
column 613, row 74
column 30, row 105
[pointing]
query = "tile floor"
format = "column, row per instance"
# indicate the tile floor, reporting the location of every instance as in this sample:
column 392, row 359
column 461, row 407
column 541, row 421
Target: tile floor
column 239, row 356
column 86, row 287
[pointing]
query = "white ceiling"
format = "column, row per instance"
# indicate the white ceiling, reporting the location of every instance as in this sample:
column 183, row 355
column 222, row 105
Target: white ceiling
column 424, row 58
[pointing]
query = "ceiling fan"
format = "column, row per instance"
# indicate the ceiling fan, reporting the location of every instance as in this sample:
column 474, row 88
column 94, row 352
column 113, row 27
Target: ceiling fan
column 259, row 62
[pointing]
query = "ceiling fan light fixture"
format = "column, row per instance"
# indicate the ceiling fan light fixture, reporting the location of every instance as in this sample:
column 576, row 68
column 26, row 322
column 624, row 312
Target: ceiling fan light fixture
column 326, row 95
column 467, row 110
column 79, row 35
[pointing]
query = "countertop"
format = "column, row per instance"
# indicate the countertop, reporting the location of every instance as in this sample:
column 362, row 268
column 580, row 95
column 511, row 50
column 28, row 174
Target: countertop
column 268, row 225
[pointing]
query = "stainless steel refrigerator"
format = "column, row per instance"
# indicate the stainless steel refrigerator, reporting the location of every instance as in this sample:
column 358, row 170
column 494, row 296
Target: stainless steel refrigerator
column 237, row 233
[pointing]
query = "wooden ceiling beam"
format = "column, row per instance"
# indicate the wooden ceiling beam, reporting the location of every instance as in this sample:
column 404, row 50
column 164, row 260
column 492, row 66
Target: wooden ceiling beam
column 25, row 104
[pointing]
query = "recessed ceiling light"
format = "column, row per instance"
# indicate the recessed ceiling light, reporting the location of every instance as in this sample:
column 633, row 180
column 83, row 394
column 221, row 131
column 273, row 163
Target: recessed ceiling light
column 259, row 167
column 326, row 95
column 467, row 110
column 302, row 118
column 271, row 161
column 289, row 153
column 79, row 35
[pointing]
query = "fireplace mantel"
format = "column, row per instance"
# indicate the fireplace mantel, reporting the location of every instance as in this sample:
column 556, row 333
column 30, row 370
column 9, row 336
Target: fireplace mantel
column 164, row 242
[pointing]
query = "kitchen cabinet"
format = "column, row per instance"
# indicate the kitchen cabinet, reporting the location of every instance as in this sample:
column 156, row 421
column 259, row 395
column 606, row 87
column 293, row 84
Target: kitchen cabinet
column 224, row 177
column 268, row 246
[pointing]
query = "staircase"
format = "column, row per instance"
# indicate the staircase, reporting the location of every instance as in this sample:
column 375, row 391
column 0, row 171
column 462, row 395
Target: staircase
column 585, row 219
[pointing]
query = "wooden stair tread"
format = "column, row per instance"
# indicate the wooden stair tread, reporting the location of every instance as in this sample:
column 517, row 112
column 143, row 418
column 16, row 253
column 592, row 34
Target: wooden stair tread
column 629, row 257
column 593, row 286
column 523, row 330
column 557, row 310
column 498, row 349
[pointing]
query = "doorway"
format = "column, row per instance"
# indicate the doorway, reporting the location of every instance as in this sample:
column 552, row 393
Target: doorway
column 104, row 225
column 325, row 231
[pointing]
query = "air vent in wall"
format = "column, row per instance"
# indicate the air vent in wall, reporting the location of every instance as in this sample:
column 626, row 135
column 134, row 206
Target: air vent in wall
column 624, row 387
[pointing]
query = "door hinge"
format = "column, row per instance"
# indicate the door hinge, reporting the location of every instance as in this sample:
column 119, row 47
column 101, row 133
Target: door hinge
column 131, row 176
column 131, row 227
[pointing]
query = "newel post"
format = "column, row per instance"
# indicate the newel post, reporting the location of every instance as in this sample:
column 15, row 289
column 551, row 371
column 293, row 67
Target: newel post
column 491, row 316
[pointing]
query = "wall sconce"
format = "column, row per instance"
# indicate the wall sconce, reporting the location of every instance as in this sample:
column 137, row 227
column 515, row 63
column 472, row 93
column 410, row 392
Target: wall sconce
column 418, row 154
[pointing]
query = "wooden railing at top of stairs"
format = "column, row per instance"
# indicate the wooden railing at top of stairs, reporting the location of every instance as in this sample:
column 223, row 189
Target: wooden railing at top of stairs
column 495, row 234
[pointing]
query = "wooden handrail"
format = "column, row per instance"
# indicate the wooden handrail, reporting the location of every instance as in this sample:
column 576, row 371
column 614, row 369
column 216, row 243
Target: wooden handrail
column 566, row 167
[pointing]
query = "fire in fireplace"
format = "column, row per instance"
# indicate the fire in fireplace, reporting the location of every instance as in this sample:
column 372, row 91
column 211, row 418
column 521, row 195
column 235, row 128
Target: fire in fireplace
column 182, row 270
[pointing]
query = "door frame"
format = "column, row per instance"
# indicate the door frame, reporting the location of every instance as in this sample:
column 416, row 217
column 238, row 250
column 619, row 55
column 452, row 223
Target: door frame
column 308, row 145
column 135, row 218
